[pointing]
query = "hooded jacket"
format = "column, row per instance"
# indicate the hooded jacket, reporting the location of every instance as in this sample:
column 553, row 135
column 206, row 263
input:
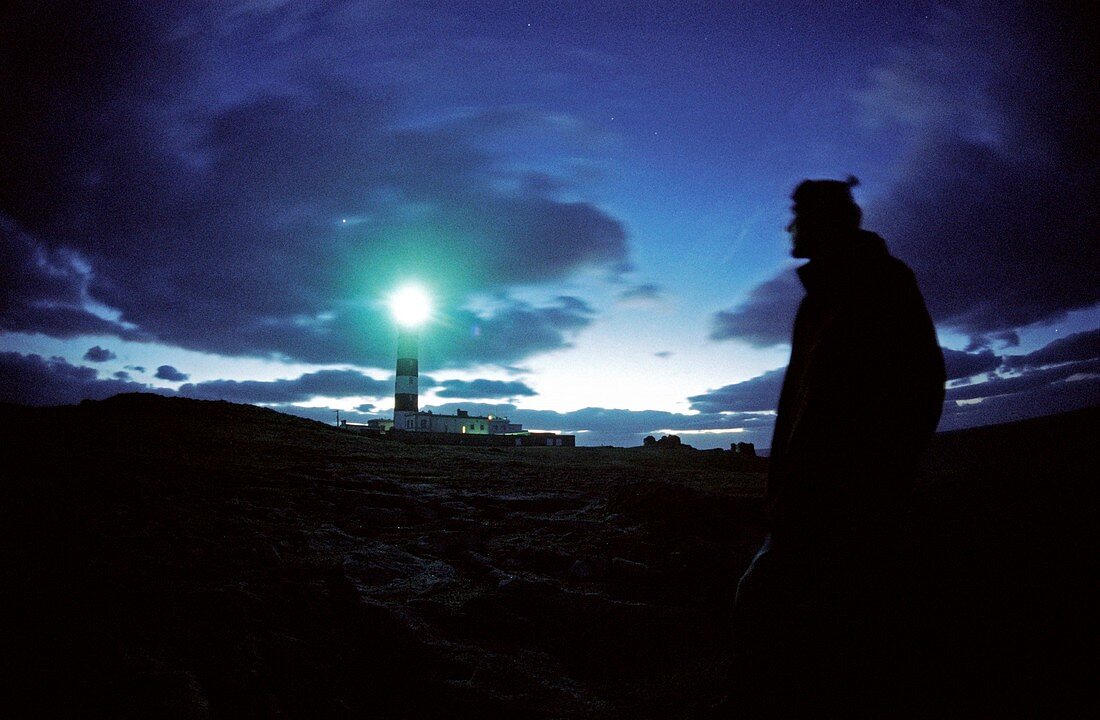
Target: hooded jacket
column 861, row 397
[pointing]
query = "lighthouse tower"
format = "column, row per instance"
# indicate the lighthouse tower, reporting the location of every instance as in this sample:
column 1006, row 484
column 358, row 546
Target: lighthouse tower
column 411, row 308
column 406, row 401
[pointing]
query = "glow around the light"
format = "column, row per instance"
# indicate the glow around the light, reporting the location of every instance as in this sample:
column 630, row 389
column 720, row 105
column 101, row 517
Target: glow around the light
column 411, row 306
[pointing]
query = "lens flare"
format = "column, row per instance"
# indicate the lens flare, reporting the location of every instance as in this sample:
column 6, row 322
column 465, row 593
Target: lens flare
column 411, row 306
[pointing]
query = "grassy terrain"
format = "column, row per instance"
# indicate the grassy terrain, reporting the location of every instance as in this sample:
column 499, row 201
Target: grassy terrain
column 175, row 558
column 243, row 563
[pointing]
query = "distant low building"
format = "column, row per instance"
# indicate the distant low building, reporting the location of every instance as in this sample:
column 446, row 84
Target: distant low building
column 371, row 427
column 461, row 423
column 462, row 428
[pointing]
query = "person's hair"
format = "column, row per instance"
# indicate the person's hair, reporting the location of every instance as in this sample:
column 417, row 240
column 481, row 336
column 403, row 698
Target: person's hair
column 830, row 200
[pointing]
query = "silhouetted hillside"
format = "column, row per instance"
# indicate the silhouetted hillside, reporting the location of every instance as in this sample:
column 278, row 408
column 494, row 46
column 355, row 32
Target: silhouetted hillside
column 166, row 557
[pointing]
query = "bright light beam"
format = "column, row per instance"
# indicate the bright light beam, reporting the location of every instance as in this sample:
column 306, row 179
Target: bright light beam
column 410, row 306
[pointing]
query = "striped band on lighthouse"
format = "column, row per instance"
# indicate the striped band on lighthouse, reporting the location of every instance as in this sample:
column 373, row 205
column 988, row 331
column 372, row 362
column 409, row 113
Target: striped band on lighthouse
column 406, row 398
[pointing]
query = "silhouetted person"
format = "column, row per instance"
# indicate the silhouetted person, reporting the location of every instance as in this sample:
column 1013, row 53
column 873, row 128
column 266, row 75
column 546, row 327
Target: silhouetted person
column 815, row 628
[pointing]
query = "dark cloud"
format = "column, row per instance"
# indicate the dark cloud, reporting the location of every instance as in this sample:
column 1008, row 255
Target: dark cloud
column 544, row 184
column 328, row 383
column 996, row 212
column 167, row 372
column 760, row 393
column 1072, row 348
column 265, row 213
column 1044, row 393
column 664, row 354
column 484, row 389
column 1018, row 248
column 98, row 354
column 1006, row 339
column 995, row 209
column 71, row 72
column 61, row 322
column 512, row 332
column 34, row 275
column 643, row 294
column 963, row 365
column 33, row 380
column 1069, row 384
column 44, row 290
column 765, row 317
column 1027, row 381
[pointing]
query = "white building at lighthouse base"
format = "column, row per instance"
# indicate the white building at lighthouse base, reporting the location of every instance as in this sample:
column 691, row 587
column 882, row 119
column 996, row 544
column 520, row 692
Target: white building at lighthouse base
column 462, row 428
column 461, row 423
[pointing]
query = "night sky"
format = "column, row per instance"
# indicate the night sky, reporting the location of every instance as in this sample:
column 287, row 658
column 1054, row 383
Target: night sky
column 217, row 199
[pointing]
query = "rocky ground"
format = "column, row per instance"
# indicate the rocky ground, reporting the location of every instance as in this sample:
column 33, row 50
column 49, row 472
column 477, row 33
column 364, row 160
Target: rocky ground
column 175, row 558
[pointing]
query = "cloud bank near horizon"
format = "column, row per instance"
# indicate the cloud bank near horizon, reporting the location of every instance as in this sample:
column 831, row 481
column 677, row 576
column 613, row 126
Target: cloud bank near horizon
column 1063, row 375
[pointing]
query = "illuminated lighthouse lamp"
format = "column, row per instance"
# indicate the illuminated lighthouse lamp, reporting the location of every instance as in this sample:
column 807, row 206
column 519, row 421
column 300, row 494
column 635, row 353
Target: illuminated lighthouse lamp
column 410, row 306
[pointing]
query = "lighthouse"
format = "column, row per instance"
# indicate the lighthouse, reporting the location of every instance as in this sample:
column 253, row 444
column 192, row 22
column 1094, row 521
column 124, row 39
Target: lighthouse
column 411, row 307
column 406, row 395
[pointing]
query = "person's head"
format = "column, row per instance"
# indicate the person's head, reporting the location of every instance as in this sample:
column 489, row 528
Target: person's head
column 824, row 215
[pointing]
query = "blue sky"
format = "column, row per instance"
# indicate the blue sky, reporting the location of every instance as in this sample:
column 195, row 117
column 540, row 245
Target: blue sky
column 216, row 200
